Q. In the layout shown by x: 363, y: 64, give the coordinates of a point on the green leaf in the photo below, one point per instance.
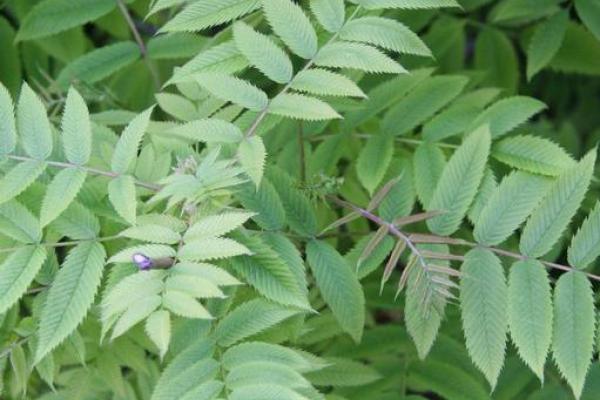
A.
x: 530, y: 313
x: 508, y: 113
x: 189, y: 369
x: 77, y: 222
x: 152, y: 233
x: 17, y: 272
x: 545, y: 42
x: 495, y: 54
x: 452, y: 121
x: 269, y: 273
x: 345, y: 373
x: 253, y: 352
x: 180, y: 45
x: 122, y: 195
x: 401, y: 198
x: 356, y: 56
x: 579, y: 51
x: 33, y: 124
x: 574, y: 327
x: 76, y: 129
x: 183, y: 305
x: 459, y: 182
x: 262, y: 53
x: 323, y: 82
x: 60, y: 193
x: 208, y: 130
x: 385, y: 33
x: 589, y: 12
x: 233, y: 89
x: 211, y: 249
x: 406, y: 4
x: 533, y: 154
x: 249, y: 319
x: 511, y: 203
x: 339, y: 287
x: 265, y: 202
x: 216, y: 225
x: 19, y: 178
x: 428, y: 164
x: 330, y: 13
x: 549, y: 220
x: 483, y: 299
x: 265, y: 391
x: 293, y: 26
x: 20, y: 368
x: 208, y: 13
x: 252, y: 156
x: 177, y: 106
x: 98, y: 64
x: 298, y: 209
x: 17, y: 222
x: 8, y: 129
x: 486, y: 189
x: 49, y: 17
x: 422, y: 103
x: 298, y: 106
x: 127, y: 147
x: 585, y: 245
x: 373, y: 160
x: 70, y: 296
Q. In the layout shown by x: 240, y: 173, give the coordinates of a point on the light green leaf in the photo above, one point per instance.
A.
x: 208, y: 13
x: 422, y: 103
x: 127, y: 147
x: 428, y: 164
x: 211, y: 249
x: 545, y: 42
x: 8, y: 129
x: 486, y: 189
x: 344, y: 373
x: 152, y: 233
x: 262, y: 53
x: 194, y: 286
x: 253, y: 352
x: 70, y: 296
x: 585, y: 245
x: 98, y: 64
x: 19, y: 178
x: 121, y: 193
x: 386, y: 33
x: 76, y: 129
x: 77, y: 222
x: 135, y: 313
x: 574, y: 327
x: 17, y: 222
x: 293, y: 105
x: 184, y: 305
x: 406, y: 4
x: 589, y: 12
x: 150, y: 250
x: 60, y: 193
x: 549, y: 220
x: 483, y: 299
x: 177, y: 106
x: 208, y: 130
x: 530, y: 313
x: 356, y: 56
x: 495, y: 54
x: 265, y: 391
x: 49, y: 17
x: 293, y: 26
x: 373, y: 160
x: 249, y: 319
x: 17, y: 272
x: 179, y: 45
x: 533, y: 154
x: 252, y: 156
x: 214, y: 274
x: 508, y: 113
x: 233, y: 89
x: 330, y: 13
x: 323, y: 82
x: 216, y: 225
x: 339, y: 287
x: 459, y: 182
x: 33, y: 124
x: 158, y: 328
x: 510, y: 204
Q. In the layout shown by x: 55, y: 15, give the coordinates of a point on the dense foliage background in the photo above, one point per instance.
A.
x: 320, y: 199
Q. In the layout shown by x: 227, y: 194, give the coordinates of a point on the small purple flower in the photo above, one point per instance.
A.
x: 143, y: 262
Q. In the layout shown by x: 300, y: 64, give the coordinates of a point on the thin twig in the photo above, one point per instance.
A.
x: 408, y: 239
x: 140, y: 43
x: 61, y: 164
